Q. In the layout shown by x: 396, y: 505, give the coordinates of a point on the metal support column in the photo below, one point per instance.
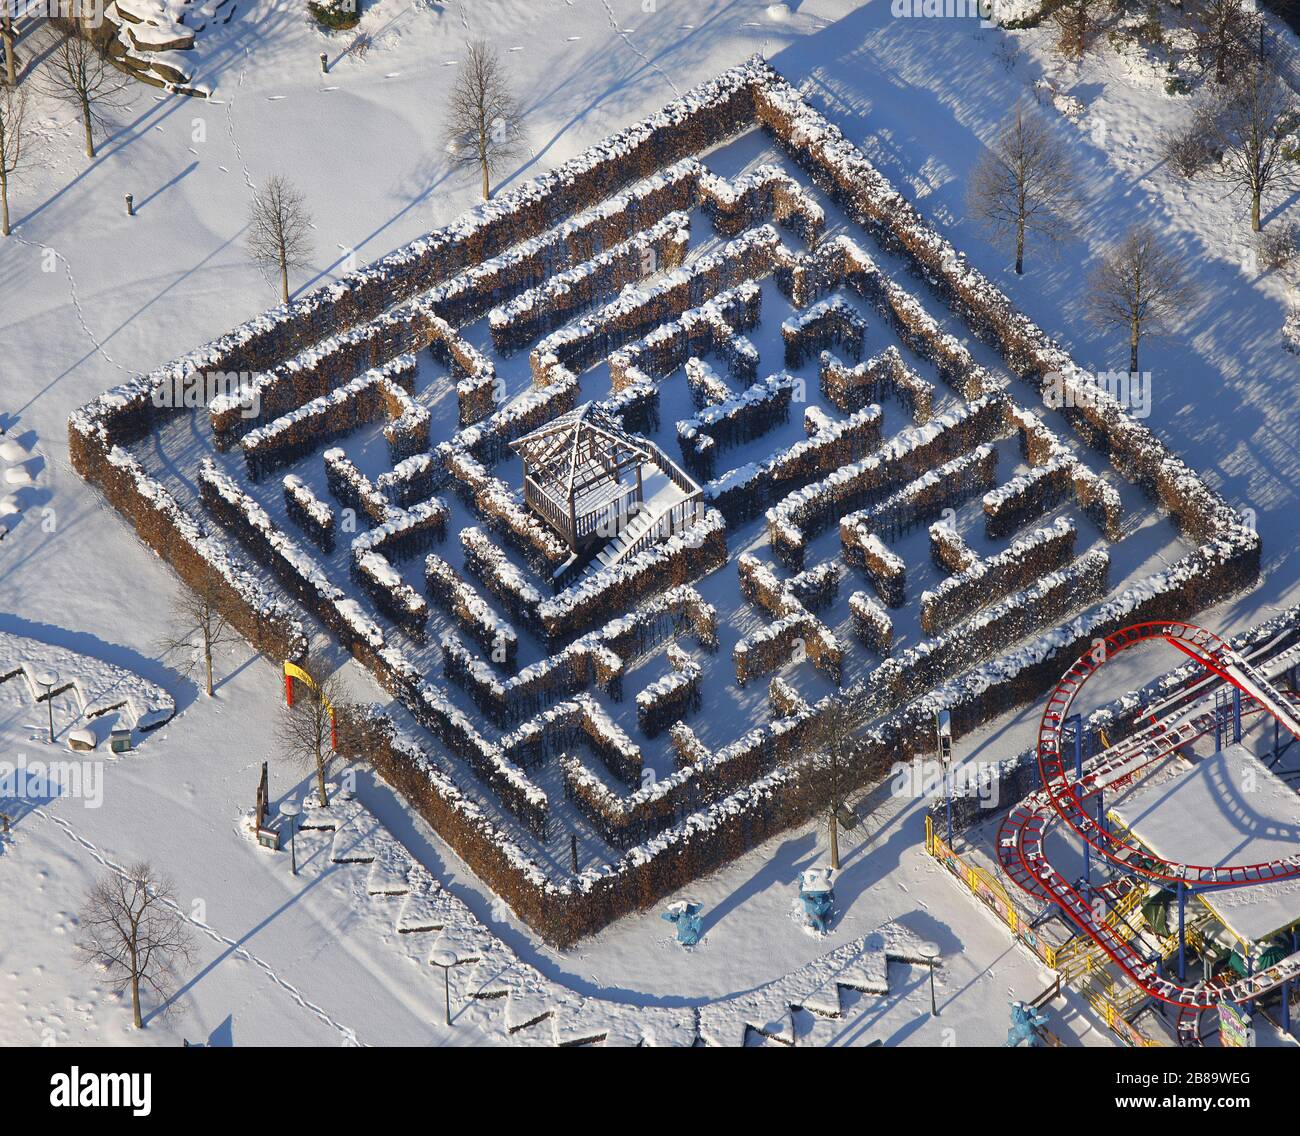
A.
x: 1182, y: 931
x: 1075, y: 723
x: 1286, y: 987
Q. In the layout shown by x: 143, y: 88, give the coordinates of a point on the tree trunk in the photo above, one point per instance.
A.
x: 284, y: 280
x: 1254, y: 211
x: 1135, y: 333
x: 86, y: 122
x: 4, y: 204
x: 835, y: 839
x: 8, y: 34
x: 207, y: 658
x: 320, y: 780
x: 487, y: 186
x: 135, y: 987
x: 1020, y: 247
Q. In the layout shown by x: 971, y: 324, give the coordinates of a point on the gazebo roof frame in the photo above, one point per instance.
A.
x: 563, y: 450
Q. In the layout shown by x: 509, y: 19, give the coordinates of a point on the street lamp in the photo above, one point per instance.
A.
x: 290, y: 810
x: 943, y: 746
x: 49, y: 680
x: 445, y: 959
x: 930, y: 953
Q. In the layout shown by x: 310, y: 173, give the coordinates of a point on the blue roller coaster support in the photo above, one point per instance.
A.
x: 1074, y: 723
x: 1226, y: 712
x: 688, y: 919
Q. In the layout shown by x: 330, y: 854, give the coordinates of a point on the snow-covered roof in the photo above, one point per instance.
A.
x: 1229, y: 808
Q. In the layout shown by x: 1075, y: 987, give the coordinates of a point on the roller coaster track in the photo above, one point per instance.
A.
x: 1065, y: 797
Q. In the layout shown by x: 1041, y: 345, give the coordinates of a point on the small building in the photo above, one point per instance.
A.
x: 594, y: 483
x: 119, y: 741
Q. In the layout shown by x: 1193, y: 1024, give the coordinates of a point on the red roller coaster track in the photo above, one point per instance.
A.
x: 1065, y: 796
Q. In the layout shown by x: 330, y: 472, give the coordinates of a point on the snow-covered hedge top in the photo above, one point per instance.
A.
x: 676, y: 226
x: 304, y: 565
x: 562, y: 343
x: 306, y: 499
x: 402, y: 264
x: 1060, y: 529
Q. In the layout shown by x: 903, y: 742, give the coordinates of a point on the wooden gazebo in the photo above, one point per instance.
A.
x: 582, y: 475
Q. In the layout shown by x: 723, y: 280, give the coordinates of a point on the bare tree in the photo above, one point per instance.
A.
x: 1251, y: 122
x: 823, y: 767
x: 132, y: 927
x: 303, y: 731
x: 1138, y: 287
x: 483, y: 117
x: 1076, y: 22
x: 78, y: 74
x: 13, y: 115
x: 1225, y: 32
x: 1024, y: 182
x: 279, y: 229
x: 199, y: 627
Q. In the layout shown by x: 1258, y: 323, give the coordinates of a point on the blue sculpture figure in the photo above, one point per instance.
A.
x: 818, y: 897
x: 688, y: 919
x: 1025, y: 1024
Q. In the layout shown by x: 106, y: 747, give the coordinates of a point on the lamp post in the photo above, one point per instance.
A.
x: 943, y: 746
x: 445, y: 959
x: 48, y: 680
x: 930, y: 953
x: 290, y: 810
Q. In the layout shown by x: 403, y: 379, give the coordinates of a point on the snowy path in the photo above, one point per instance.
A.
x: 349, y: 1036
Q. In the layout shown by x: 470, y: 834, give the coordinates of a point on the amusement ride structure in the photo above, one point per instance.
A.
x: 1213, y: 701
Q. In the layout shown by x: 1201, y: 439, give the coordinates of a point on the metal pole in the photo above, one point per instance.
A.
x: 947, y: 783
x: 293, y: 848
x: 49, y: 705
x: 1236, y: 714
x: 934, y: 1008
x: 1286, y: 988
x: 1182, y: 932
x: 942, y: 735
x: 1077, y: 721
x: 446, y: 995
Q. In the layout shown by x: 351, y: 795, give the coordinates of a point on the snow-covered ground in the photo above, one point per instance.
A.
x: 91, y: 295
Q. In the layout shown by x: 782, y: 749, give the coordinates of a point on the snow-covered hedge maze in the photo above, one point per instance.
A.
x: 874, y: 511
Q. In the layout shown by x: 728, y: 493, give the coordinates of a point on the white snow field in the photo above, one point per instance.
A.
x: 92, y: 297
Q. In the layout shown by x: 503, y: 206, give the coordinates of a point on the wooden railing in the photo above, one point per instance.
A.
x: 673, y: 519
x: 537, y: 500
x: 613, y: 518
